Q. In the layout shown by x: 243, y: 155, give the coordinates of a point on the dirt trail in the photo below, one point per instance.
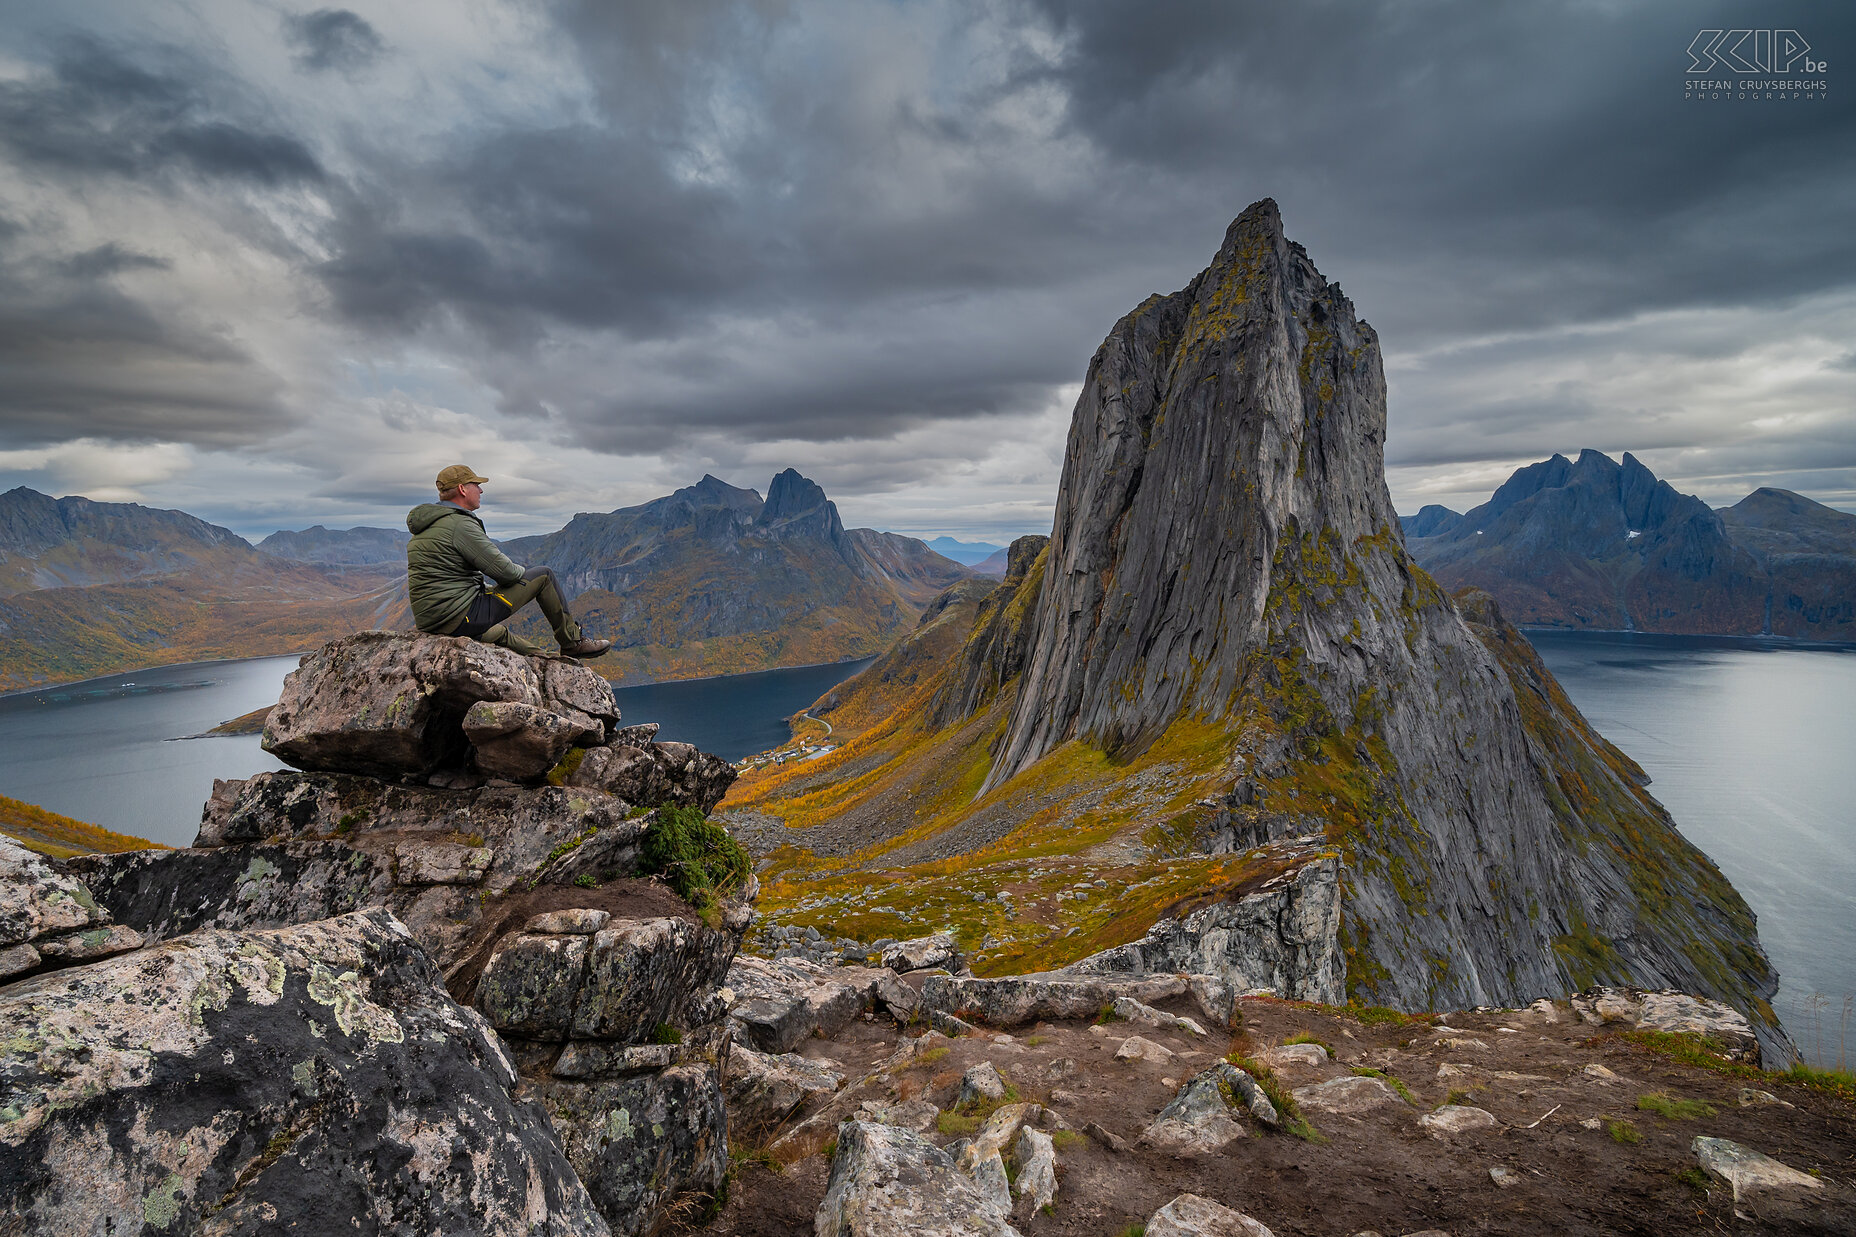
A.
x: 1377, y: 1170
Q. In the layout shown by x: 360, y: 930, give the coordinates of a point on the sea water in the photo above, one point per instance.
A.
x: 114, y: 751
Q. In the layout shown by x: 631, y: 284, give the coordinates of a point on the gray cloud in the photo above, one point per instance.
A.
x: 100, y: 112
x: 332, y: 39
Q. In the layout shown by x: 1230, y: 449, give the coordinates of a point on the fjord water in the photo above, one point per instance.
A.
x: 108, y: 750
x: 1752, y: 748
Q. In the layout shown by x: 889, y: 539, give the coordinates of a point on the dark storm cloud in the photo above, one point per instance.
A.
x: 332, y: 39
x: 1484, y: 166
x: 82, y: 358
x: 98, y: 111
x: 110, y: 259
x: 1461, y: 168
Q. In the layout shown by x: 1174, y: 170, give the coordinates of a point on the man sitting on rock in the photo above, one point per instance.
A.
x: 449, y: 555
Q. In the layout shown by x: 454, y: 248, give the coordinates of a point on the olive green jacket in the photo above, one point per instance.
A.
x: 446, y: 560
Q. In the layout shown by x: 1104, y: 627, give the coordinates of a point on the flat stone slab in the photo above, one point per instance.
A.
x: 1190, y: 1215
x: 1454, y: 1119
x: 1744, y: 1169
x: 1294, y: 1056
x: 1347, y: 1096
x: 1018, y: 999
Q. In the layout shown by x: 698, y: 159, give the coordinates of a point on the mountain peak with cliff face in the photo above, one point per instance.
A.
x: 1226, y: 694
x: 1603, y: 544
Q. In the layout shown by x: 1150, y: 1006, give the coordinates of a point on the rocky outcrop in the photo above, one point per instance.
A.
x: 891, y: 1182
x: 422, y: 834
x: 285, y: 847
x: 1284, y: 935
x: 615, y: 1023
x: 1014, y: 1000
x: 223, y: 1081
x: 996, y: 652
x: 1225, y: 558
x: 50, y: 919
x: 387, y: 704
x: 604, y: 986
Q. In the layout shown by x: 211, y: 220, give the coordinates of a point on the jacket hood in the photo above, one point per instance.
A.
x: 425, y: 515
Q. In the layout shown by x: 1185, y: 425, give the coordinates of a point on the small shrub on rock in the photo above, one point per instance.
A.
x: 695, y: 855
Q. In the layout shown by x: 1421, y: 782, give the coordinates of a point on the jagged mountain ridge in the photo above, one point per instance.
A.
x: 1602, y: 545
x: 713, y: 579
x: 1225, y: 647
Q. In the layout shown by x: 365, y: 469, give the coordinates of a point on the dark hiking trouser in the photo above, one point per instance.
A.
x: 484, y: 620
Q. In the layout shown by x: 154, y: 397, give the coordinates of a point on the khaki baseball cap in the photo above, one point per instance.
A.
x: 459, y: 474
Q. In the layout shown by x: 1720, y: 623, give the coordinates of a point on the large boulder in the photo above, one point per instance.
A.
x: 656, y: 773
x: 891, y: 1182
x: 316, y: 1077
x: 622, y: 983
x: 394, y: 703
x: 48, y: 917
x: 780, y: 1004
x: 1202, y: 1118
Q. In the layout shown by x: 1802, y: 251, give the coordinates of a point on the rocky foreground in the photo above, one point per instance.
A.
x: 1581, y: 1116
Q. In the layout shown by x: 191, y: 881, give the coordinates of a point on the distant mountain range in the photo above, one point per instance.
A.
x: 967, y: 552
x: 87, y: 588
x: 1595, y: 544
x: 347, y: 546
x: 709, y: 580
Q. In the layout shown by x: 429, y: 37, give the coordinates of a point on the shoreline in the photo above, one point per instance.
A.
x: 165, y: 665
x: 223, y: 661
x: 1766, y: 643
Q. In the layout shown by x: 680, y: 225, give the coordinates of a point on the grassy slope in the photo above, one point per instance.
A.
x: 60, y: 836
x: 1075, y: 817
x: 1079, y: 816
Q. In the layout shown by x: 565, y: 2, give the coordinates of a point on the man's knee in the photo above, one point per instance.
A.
x: 537, y: 573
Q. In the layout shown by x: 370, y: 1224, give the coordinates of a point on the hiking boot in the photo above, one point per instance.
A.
x: 585, y: 648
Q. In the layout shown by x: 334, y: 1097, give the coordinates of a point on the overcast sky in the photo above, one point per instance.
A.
x: 275, y: 264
